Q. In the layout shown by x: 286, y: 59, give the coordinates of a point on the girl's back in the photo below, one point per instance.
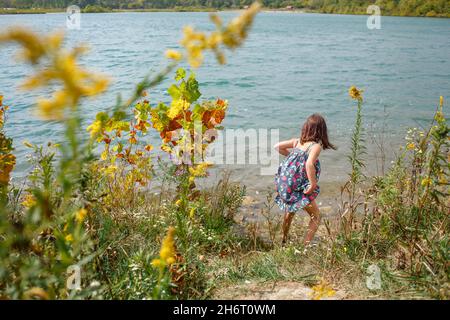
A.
x: 292, y: 180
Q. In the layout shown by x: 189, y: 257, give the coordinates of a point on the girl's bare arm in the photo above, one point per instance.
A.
x: 310, y: 167
x: 284, y: 146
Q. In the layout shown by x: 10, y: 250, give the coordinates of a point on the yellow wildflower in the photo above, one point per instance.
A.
x: 157, y: 263
x: 148, y: 147
x: 237, y: 30
x: 7, y: 163
x: 426, y: 182
x: 355, y: 93
x: 62, y: 68
x: 167, y: 252
x: 104, y: 155
x: 216, y: 20
x: 441, y: 102
x: 214, y: 40
x: 230, y: 36
x: 443, y: 178
x: 200, y: 169
x: 192, y: 213
x: 110, y: 170
x: 166, y: 148
x: 29, y: 201
x: 81, y: 215
x: 410, y: 146
x: 322, y: 290
x: 178, y: 202
x: 168, y: 246
x: 32, y: 48
x: 95, y: 128
x: 174, y: 55
x: 69, y: 238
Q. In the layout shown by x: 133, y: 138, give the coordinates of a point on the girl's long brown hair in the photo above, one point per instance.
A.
x: 315, y: 129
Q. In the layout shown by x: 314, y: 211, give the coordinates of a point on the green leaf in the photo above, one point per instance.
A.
x: 101, y: 116
x: 197, y: 112
x: 174, y: 92
x: 119, y: 115
x: 192, y: 92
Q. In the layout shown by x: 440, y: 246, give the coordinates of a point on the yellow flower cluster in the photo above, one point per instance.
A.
x: 167, y: 252
x: 200, y: 169
x: 322, y: 290
x: 355, y: 93
x: 29, y: 201
x: 236, y: 32
x: 410, y: 146
x: 426, y: 182
x: 192, y: 213
x: 69, y: 238
x: 174, y: 55
x: 61, y: 67
x: 231, y: 36
x: 80, y: 215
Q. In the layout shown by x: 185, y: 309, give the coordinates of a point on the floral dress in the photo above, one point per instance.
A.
x: 291, y: 180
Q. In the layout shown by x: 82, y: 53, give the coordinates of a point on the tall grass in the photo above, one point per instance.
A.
x: 403, y: 222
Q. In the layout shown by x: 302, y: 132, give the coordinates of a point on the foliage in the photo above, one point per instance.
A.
x: 7, y: 159
x: 404, y: 216
x: 71, y: 196
x: 430, y: 8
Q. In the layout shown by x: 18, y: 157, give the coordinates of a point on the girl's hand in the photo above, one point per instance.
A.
x: 284, y: 146
x: 310, y: 188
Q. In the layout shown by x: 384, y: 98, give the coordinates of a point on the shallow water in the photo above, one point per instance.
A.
x: 292, y: 65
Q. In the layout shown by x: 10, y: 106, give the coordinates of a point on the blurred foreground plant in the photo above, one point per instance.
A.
x: 7, y: 159
x: 55, y: 227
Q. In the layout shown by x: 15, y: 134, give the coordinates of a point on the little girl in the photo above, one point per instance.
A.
x: 298, y: 174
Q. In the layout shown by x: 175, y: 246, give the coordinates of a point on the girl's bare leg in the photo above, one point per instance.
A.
x: 314, y: 213
x: 288, y: 216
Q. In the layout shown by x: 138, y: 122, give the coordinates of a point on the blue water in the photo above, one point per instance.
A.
x: 292, y: 65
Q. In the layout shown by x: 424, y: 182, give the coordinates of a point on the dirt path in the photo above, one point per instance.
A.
x: 284, y: 290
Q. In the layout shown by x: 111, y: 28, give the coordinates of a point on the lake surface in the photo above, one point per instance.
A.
x: 292, y: 65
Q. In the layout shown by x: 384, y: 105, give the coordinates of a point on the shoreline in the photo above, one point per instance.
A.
x: 4, y: 11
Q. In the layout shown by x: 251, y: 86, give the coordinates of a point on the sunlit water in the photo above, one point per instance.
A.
x: 292, y: 65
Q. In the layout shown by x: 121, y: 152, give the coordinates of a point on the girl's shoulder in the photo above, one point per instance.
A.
x: 317, y: 145
x: 307, y: 146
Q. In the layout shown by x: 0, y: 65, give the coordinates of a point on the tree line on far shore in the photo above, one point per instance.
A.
x: 431, y: 8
